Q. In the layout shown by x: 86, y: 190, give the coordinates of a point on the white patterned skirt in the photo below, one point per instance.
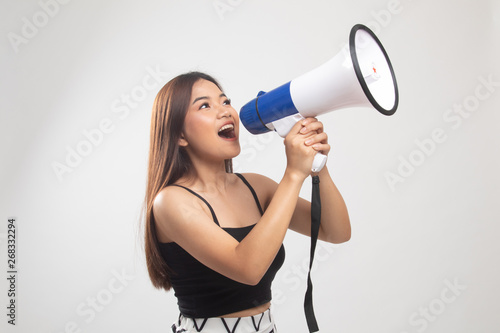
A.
x: 261, y: 323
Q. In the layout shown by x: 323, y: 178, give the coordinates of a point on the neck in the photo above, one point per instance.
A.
x: 207, y: 176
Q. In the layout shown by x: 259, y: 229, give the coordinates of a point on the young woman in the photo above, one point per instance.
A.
x: 215, y: 236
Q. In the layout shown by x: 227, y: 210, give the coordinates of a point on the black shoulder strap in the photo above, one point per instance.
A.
x: 214, y: 217
x: 251, y: 190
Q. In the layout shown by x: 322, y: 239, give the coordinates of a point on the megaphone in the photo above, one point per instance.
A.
x: 360, y: 75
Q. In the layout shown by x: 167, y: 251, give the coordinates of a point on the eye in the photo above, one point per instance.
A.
x: 227, y: 102
x: 204, y: 106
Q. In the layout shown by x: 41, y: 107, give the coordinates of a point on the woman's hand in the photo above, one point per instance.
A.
x: 304, y: 140
x: 316, y: 137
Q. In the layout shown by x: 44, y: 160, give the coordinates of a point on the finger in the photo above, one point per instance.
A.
x: 316, y: 126
x: 308, y: 120
x: 296, y: 127
x: 318, y: 138
x: 324, y: 148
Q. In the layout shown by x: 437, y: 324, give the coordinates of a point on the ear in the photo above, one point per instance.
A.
x: 182, y: 141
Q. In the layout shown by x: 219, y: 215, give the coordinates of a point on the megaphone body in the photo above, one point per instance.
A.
x: 361, y: 75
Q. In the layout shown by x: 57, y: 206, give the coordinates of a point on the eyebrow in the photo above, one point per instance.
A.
x: 205, y: 97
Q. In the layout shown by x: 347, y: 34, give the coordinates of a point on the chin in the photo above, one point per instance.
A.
x: 233, y: 152
x: 237, y: 151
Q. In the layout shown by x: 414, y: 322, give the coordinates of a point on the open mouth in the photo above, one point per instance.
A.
x: 227, y: 132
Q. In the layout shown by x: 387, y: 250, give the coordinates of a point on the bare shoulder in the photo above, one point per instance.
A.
x: 174, y: 208
x: 167, y: 198
x: 264, y: 186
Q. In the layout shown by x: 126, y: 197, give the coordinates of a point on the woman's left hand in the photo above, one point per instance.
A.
x: 316, y: 137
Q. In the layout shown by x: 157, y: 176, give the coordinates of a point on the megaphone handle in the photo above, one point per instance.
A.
x: 319, y: 162
x: 284, y: 125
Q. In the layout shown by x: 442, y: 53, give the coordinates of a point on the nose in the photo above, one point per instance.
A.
x: 223, y: 112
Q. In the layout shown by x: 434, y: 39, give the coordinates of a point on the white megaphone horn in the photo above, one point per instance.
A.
x: 361, y: 75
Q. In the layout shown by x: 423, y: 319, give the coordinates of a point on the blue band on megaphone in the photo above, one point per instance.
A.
x: 266, y: 108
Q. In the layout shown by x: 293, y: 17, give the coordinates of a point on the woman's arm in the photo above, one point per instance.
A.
x: 335, y: 225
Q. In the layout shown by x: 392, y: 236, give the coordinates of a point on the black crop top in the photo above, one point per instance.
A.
x: 202, y: 292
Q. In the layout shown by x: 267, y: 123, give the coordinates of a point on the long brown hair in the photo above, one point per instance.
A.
x: 167, y: 161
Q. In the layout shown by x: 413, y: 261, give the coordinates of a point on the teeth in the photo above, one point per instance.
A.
x: 225, y: 127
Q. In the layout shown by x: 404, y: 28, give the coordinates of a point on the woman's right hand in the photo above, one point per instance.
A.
x: 299, y: 155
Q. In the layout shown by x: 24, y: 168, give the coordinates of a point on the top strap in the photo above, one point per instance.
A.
x: 251, y: 190
x: 214, y: 217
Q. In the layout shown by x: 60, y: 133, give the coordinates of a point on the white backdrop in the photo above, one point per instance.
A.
x: 422, y: 186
